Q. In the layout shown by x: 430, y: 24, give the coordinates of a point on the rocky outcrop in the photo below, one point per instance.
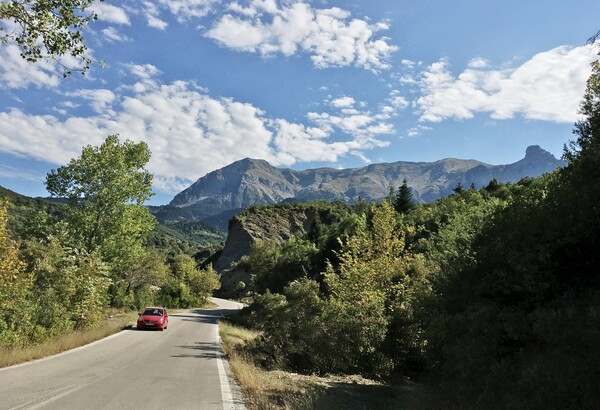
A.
x: 278, y: 223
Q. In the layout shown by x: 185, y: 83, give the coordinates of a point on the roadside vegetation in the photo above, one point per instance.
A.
x: 113, y: 323
x: 64, y: 265
x: 488, y: 298
x: 277, y: 389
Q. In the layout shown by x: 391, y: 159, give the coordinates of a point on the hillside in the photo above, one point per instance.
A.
x: 168, y: 232
x: 250, y: 181
x: 22, y: 206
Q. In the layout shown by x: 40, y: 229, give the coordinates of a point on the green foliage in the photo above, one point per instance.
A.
x: 297, y: 329
x: 30, y: 216
x: 195, y: 234
x: 48, y: 29
x: 273, y: 266
x: 517, y: 327
x: 404, y: 199
x: 203, y: 282
x: 188, y: 286
x: 106, y: 188
x: 79, y: 258
x: 458, y: 189
x: 445, y: 230
x: 354, y: 324
x: 15, y: 285
x: 374, y: 290
x: 70, y: 288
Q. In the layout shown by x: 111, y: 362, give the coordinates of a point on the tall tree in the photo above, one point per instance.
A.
x: 404, y: 199
x: 106, y: 188
x: 48, y: 29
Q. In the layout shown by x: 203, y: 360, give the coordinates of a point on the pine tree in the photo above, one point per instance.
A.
x: 404, y: 199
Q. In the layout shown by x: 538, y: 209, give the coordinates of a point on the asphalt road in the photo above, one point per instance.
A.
x: 179, y: 368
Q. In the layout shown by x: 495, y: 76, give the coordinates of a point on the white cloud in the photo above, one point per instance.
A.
x: 418, y: 130
x: 110, y: 14
x: 186, y: 9
x: 16, y: 72
x: 343, y: 102
x: 399, y: 102
x: 548, y: 87
x: 329, y: 36
x: 478, y: 63
x: 152, y: 14
x: 189, y: 132
x: 156, y: 22
x: 112, y: 34
x: 362, y: 123
x: 100, y: 99
x: 143, y: 71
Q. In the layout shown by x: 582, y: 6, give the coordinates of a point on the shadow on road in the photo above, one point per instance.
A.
x: 200, y: 318
x: 216, y: 312
x: 201, y: 350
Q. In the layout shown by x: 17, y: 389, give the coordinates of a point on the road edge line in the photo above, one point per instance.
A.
x: 226, y: 394
x: 41, y: 359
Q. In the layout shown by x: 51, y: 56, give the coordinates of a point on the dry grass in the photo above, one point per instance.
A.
x: 262, y: 389
x: 282, y: 390
x: 114, y: 322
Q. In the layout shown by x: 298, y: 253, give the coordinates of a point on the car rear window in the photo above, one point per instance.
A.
x: 153, y: 312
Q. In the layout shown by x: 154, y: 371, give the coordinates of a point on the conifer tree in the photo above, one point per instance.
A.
x: 404, y: 199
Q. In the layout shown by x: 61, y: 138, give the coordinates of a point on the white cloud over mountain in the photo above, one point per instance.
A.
x: 547, y: 87
x: 189, y: 132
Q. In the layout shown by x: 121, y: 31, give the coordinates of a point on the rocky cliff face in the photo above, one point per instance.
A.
x: 251, y: 181
x: 276, y: 224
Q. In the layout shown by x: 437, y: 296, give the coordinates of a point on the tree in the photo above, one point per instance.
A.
x: 106, y: 188
x: 404, y: 199
x: 15, y: 283
x: 517, y: 326
x: 458, y: 189
x: 188, y: 286
x: 391, y: 196
x: 47, y: 29
x: 371, y: 282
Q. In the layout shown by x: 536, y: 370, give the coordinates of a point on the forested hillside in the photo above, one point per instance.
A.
x: 62, y: 265
x: 489, y: 297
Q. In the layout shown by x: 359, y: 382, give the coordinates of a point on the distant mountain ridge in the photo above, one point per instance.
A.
x: 254, y: 181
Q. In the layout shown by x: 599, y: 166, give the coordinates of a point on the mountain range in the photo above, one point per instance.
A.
x: 243, y: 183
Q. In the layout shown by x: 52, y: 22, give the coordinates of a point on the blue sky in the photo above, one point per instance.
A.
x: 302, y: 84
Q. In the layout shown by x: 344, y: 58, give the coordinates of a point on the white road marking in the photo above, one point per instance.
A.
x: 228, y: 402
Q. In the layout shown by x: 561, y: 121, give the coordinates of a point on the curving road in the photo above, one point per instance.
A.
x: 180, y: 368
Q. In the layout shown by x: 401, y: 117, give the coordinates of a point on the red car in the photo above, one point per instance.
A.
x: 153, y: 318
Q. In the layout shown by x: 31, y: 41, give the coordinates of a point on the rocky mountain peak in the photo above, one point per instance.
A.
x: 537, y: 152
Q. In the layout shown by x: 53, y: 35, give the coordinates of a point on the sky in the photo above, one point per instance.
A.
x: 302, y: 84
